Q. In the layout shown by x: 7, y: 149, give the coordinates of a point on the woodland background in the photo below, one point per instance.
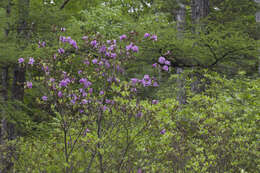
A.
x: 203, y: 116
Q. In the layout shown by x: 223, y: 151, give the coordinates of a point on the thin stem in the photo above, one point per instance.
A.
x: 66, y: 149
x: 99, y: 145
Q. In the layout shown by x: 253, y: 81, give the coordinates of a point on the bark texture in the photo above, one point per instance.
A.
x: 200, y: 9
x: 181, y: 15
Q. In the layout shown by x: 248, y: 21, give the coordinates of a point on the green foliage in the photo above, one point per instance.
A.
x: 214, y: 132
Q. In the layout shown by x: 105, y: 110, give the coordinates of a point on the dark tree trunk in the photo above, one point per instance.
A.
x: 18, y: 83
x: 5, y: 82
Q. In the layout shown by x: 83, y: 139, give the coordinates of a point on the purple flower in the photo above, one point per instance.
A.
x: 31, y: 61
x: 83, y: 80
x: 100, y: 63
x: 80, y: 71
x: 81, y: 90
x: 73, y: 43
x: 61, y: 50
x: 63, y: 29
x: 104, y: 108
x: 54, y: 56
x: 43, y: 44
x: 134, y: 81
x: 155, y: 65
x: 102, y: 49
x: 84, y: 37
x: 86, y: 131
x: 73, y: 102
x: 161, y: 60
x: 52, y: 79
x: 154, y: 37
x: 84, y: 101
x: 59, y: 94
x: 101, y: 93
x: 20, y: 60
x: 90, y: 90
x: 128, y: 47
x: 163, y: 131
x: 133, y: 89
x: 64, y: 82
x: 135, y: 48
x: 146, y: 81
x: 86, y: 62
x: 146, y: 35
x: 112, y: 47
x: 94, y: 61
x: 113, y: 55
x: 44, y: 98
x: 167, y: 62
x: 146, y: 77
x: 93, y: 43
x: 122, y: 37
x: 63, y: 39
x: 114, y: 41
x: 29, y: 84
x: 108, y: 41
x: 39, y: 44
x: 107, y: 64
x: 108, y: 101
x: 139, y: 170
x: 139, y: 114
x: 165, y: 68
x: 154, y: 102
x: 155, y: 84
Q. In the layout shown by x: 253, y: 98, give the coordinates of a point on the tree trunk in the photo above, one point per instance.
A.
x: 199, y: 10
x: 181, y: 15
x: 5, y: 82
x: 18, y: 83
x: 5, y: 164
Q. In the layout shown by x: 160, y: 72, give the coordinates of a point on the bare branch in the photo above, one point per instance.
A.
x: 64, y: 4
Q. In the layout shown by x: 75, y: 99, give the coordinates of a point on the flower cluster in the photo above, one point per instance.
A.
x: 146, y: 81
x: 132, y: 47
x: 72, y: 42
x: 30, y: 61
x: 163, y: 62
x: 41, y: 44
x: 152, y: 37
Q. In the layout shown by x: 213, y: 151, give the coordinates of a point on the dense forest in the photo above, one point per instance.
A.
x: 134, y: 86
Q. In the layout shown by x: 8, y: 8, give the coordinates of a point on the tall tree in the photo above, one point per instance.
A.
x: 180, y: 16
x: 200, y: 9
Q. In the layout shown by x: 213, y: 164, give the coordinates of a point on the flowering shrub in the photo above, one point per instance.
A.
x: 84, y: 91
x: 100, y: 125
